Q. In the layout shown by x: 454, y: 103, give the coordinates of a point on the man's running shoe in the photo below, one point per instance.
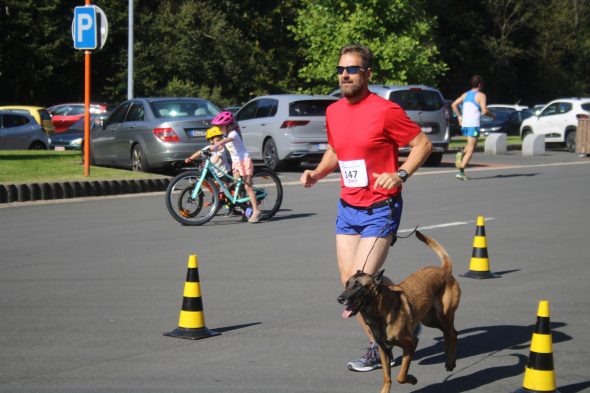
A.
x: 458, y: 159
x: 461, y: 176
x: 369, y: 361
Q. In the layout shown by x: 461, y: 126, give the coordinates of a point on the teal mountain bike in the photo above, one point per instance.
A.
x: 194, y: 197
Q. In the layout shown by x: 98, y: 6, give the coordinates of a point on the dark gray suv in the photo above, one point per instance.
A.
x: 426, y: 107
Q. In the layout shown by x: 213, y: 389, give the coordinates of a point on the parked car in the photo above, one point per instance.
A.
x: 40, y: 114
x: 426, y: 107
x: 73, y: 137
x: 64, y: 115
x: 506, y: 120
x: 21, y: 131
x: 558, y: 121
x: 283, y: 130
x: 509, y: 106
x: 152, y: 133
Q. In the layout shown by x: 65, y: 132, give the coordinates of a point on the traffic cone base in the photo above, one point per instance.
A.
x: 192, y: 334
x: 479, y: 274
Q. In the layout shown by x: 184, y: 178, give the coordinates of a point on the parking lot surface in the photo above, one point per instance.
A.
x: 88, y: 287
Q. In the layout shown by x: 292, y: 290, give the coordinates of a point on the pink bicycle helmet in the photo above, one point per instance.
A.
x: 223, y: 118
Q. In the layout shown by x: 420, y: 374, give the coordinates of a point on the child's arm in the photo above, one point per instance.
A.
x: 196, y: 155
x: 223, y: 142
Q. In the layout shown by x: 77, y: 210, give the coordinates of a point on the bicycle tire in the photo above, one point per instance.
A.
x: 186, y: 210
x: 265, y: 179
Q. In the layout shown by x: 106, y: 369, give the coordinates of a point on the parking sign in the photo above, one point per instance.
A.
x: 84, y: 28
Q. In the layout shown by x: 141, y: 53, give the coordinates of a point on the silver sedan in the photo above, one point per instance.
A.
x: 152, y: 133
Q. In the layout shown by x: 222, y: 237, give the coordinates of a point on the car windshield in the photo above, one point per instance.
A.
x: 171, y: 109
x: 309, y: 107
x: 417, y: 99
x: 502, y: 114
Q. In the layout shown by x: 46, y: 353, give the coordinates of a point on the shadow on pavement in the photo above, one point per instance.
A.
x: 224, y: 329
x: 482, y: 340
x: 501, y: 176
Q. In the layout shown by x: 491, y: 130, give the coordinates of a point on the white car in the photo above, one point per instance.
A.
x: 284, y: 129
x: 558, y: 121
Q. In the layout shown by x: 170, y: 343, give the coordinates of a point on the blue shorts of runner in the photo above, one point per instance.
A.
x: 369, y: 222
x: 470, y: 131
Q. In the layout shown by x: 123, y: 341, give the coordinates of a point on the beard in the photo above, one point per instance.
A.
x: 351, y: 88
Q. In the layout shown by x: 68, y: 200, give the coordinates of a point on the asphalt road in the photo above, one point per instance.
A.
x: 88, y: 287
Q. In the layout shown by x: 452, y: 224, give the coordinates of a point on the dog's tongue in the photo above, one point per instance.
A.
x: 346, y: 313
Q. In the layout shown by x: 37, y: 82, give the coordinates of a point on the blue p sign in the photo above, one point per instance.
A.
x: 84, y: 28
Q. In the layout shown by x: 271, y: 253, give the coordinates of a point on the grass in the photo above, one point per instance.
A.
x: 29, y: 166
x: 460, y: 141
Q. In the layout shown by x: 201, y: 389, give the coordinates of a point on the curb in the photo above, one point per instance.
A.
x: 26, y: 192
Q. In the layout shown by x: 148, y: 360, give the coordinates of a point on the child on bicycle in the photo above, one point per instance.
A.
x: 241, y: 161
x: 218, y: 154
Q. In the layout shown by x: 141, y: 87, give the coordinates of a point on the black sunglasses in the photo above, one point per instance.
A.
x: 352, y: 70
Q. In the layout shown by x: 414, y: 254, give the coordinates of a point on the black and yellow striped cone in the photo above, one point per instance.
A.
x: 539, y: 375
x: 191, y: 324
x: 479, y: 267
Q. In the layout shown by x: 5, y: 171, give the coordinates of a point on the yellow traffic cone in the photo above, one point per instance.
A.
x: 479, y: 267
x: 539, y: 375
x: 191, y: 324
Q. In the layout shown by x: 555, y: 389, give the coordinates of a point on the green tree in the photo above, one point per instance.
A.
x: 398, y: 32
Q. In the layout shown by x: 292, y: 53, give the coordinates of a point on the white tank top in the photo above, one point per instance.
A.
x: 471, y: 110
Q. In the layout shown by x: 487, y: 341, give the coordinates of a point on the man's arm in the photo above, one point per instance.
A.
x: 455, y: 107
x: 481, y: 99
x: 421, y: 149
x: 326, y: 166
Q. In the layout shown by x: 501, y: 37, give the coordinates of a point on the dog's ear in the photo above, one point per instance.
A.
x: 378, y: 277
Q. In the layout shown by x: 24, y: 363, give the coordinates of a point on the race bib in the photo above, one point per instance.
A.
x: 354, y: 173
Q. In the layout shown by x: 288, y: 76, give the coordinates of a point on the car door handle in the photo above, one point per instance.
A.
x: 262, y: 124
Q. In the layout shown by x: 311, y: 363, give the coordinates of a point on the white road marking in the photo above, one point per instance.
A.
x: 444, y: 225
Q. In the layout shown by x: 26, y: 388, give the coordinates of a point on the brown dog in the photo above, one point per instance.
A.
x: 429, y: 296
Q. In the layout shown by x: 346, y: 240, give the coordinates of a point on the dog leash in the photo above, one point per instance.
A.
x: 393, y: 240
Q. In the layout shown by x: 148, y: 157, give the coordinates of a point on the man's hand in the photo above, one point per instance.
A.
x: 308, y: 178
x: 386, y: 180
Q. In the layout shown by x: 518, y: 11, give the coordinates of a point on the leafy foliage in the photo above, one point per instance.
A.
x: 229, y: 51
x: 398, y: 32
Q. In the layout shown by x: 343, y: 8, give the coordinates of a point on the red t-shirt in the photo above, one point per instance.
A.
x: 371, y: 130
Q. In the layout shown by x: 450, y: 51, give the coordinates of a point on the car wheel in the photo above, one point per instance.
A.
x: 37, y: 146
x: 270, y: 155
x: 570, y: 141
x: 138, y: 159
x: 434, y: 159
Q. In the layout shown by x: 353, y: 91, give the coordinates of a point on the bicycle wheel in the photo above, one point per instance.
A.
x: 269, y: 192
x: 186, y: 210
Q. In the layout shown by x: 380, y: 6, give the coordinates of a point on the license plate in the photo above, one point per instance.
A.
x: 60, y: 148
x: 196, y: 133
x: 426, y: 130
x: 319, y: 147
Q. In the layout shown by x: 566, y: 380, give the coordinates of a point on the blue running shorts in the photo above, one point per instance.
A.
x: 470, y: 131
x: 379, y: 222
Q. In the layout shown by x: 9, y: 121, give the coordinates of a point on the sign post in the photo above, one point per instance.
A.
x: 89, y: 31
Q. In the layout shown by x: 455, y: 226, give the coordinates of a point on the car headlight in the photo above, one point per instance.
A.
x: 76, y: 142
